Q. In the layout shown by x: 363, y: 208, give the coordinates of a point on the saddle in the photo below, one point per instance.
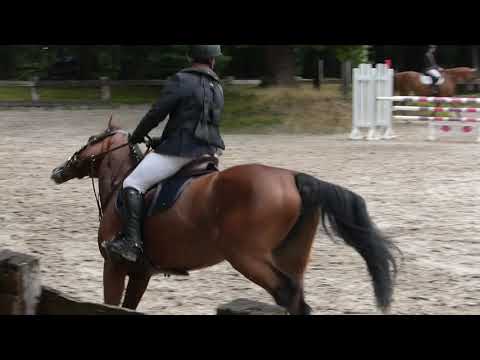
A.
x: 167, y: 192
x: 427, y: 80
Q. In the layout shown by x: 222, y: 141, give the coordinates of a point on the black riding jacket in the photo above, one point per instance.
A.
x: 193, y: 98
x: 429, y: 61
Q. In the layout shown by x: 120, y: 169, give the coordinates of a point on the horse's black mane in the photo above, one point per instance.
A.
x: 135, y: 152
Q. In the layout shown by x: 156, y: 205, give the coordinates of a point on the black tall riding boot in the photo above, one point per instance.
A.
x: 436, y: 88
x: 129, y: 244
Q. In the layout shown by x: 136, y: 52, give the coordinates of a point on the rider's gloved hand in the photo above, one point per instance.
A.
x: 135, y: 139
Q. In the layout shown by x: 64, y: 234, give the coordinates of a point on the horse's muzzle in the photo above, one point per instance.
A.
x: 58, y: 175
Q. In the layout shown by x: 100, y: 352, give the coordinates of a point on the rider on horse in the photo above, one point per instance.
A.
x: 431, y: 67
x: 193, y: 99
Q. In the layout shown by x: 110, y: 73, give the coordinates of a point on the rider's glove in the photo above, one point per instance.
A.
x: 135, y: 139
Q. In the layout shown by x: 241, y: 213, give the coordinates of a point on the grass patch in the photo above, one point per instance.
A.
x: 298, y: 110
x: 243, y: 110
x: 135, y: 95
x: 15, y: 94
x: 247, y: 108
x: 120, y: 95
x: 69, y: 94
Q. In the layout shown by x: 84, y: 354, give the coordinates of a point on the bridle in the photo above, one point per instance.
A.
x: 94, y: 159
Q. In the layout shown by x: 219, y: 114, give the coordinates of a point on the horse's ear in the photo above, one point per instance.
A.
x: 113, y: 124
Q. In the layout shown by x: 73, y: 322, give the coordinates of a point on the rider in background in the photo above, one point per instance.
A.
x: 431, y: 67
x: 193, y: 99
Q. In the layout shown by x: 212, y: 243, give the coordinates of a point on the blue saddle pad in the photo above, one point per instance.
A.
x: 165, y: 194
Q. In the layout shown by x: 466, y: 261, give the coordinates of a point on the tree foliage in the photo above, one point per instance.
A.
x: 276, y: 64
x: 356, y: 54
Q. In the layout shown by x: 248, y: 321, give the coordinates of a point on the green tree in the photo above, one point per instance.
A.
x: 357, y: 54
x: 282, y: 63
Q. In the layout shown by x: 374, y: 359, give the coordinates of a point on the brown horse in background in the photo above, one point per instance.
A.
x: 260, y: 219
x: 408, y: 83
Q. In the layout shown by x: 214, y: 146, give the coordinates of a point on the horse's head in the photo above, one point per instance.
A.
x: 85, y: 162
x: 463, y: 73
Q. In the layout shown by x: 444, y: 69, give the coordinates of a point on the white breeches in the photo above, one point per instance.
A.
x: 434, y: 73
x: 153, y: 169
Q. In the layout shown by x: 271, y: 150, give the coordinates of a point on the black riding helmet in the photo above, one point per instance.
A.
x: 205, y: 51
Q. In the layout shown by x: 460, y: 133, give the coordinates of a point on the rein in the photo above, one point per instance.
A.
x: 100, y: 211
x: 95, y: 158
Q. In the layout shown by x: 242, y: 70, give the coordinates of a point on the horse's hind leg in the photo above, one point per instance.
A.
x: 137, y: 285
x: 263, y: 272
x: 113, y: 283
x: 293, y: 255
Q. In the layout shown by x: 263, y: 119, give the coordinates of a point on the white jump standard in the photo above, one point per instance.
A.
x: 368, y: 83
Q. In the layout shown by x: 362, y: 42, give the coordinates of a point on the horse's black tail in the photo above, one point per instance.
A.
x: 348, y: 216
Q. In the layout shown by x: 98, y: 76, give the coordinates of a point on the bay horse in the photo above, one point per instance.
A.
x: 407, y: 83
x: 260, y: 219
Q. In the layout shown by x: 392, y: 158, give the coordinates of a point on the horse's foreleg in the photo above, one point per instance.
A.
x: 137, y: 285
x: 113, y: 283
